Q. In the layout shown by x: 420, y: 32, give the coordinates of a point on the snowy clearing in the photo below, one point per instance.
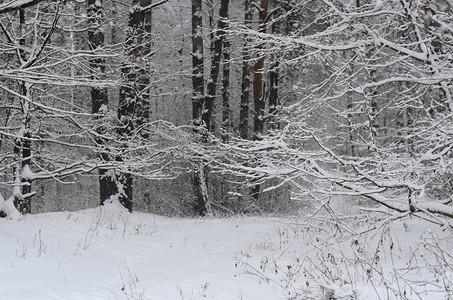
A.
x: 110, y: 254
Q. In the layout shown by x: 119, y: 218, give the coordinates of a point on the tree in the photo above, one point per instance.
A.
x: 246, y: 76
x: 308, y: 151
x: 99, y: 98
x: 197, y: 63
x: 226, y: 109
x: 215, y: 63
x: 133, y: 93
x: 40, y: 124
x: 25, y: 57
x: 274, y: 82
x: 50, y: 131
x: 259, y: 97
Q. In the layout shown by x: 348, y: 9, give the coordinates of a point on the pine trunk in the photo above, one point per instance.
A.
x: 273, y: 85
x: 198, y: 105
x: 197, y: 64
x: 215, y: 63
x: 259, y: 98
x: 226, y: 119
x: 246, y: 77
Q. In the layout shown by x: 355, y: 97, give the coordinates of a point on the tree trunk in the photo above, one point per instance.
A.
x: 246, y: 77
x: 226, y: 119
x: 133, y: 102
x: 143, y: 107
x: 197, y: 64
x: 215, y: 63
x: 273, y: 95
x: 203, y: 202
x: 22, y: 144
x: 273, y: 85
x: 22, y: 152
x: 259, y: 97
x: 201, y: 120
x: 99, y: 99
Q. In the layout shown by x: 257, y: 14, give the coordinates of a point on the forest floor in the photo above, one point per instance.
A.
x: 106, y: 253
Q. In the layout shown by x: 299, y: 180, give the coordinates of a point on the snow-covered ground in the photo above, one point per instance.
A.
x: 110, y: 254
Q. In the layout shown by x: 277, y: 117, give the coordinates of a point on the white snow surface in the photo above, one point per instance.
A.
x: 107, y: 253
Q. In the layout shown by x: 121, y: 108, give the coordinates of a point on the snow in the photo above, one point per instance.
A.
x: 93, y: 254
x: 27, y: 173
x: 15, y: 4
x: 436, y: 207
x: 8, y: 208
x: 107, y: 253
x: 103, y: 109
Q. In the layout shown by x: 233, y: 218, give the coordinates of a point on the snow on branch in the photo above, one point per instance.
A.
x: 17, y: 4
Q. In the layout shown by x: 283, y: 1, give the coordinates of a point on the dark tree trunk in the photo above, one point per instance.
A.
x: 125, y: 113
x: 99, y: 99
x: 273, y: 85
x: 273, y: 95
x: 259, y: 97
x: 202, y: 202
x: 246, y: 77
x: 134, y: 103
x: 22, y: 151
x: 226, y: 121
x: 22, y: 143
x: 197, y: 64
x: 134, y: 95
x: 350, y: 123
x: 201, y: 178
x: 215, y: 63
x: 204, y: 107
x: 143, y: 82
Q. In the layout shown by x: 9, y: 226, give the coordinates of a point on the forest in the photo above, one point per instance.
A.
x: 340, y: 110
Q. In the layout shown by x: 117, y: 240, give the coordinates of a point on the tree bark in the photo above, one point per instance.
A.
x: 99, y: 99
x: 226, y: 118
x: 215, y: 63
x: 197, y: 64
x: 246, y: 77
x: 133, y: 103
x: 200, y: 121
x: 143, y: 107
x: 22, y: 144
x: 259, y: 97
x: 22, y: 152
x: 273, y: 85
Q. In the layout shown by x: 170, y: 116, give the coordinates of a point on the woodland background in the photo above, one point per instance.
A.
x: 218, y: 107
